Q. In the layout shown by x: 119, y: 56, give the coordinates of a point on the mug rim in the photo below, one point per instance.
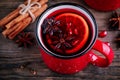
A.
x: 74, y: 55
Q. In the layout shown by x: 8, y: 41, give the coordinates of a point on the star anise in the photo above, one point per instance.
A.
x: 25, y: 39
x: 50, y: 26
x: 117, y: 41
x: 115, y: 21
x: 63, y: 42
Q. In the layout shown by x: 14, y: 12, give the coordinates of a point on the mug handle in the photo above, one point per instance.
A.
x: 103, y: 49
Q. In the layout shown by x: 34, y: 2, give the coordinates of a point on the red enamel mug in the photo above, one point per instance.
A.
x: 104, y: 5
x: 69, y: 64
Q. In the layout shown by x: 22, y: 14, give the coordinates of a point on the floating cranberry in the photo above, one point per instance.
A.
x: 49, y: 41
x: 102, y: 34
x: 76, y: 31
x: 70, y: 31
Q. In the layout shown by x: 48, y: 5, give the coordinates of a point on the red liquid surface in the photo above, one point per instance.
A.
x: 73, y: 36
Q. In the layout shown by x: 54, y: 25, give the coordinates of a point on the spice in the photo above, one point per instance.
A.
x: 34, y: 72
x: 22, y: 67
x: 117, y: 41
x: 63, y: 41
x: 26, y: 66
x: 25, y: 39
x: 115, y: 21
x: 15, y: 22
x: 50, y: 26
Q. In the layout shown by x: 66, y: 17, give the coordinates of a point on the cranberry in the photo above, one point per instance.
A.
x: 102, y: 34
x: 76, y: 31
x: 49, y: 41
x: 70, y: 31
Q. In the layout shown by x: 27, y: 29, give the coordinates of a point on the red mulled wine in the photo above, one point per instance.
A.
x: 65, y: 31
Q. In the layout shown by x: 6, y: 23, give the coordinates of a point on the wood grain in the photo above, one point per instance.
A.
x: 13, y: 57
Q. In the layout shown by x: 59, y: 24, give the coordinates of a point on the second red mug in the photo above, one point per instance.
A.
x: 104, y: 5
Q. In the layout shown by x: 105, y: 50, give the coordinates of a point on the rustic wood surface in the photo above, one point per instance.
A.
x: 12, y: 57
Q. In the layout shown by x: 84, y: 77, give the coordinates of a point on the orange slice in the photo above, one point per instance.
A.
x: 76, y: 26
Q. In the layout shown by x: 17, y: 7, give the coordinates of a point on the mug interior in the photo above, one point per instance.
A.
x: 73, y: 8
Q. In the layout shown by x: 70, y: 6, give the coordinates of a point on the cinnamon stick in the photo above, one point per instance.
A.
x: 12, y: 15
x: 26, y: 22
x: 9, y: 17
x: 21, y: 17
x: 6, y: 32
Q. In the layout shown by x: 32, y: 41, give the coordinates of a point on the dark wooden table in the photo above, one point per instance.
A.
x: 18, y: 63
